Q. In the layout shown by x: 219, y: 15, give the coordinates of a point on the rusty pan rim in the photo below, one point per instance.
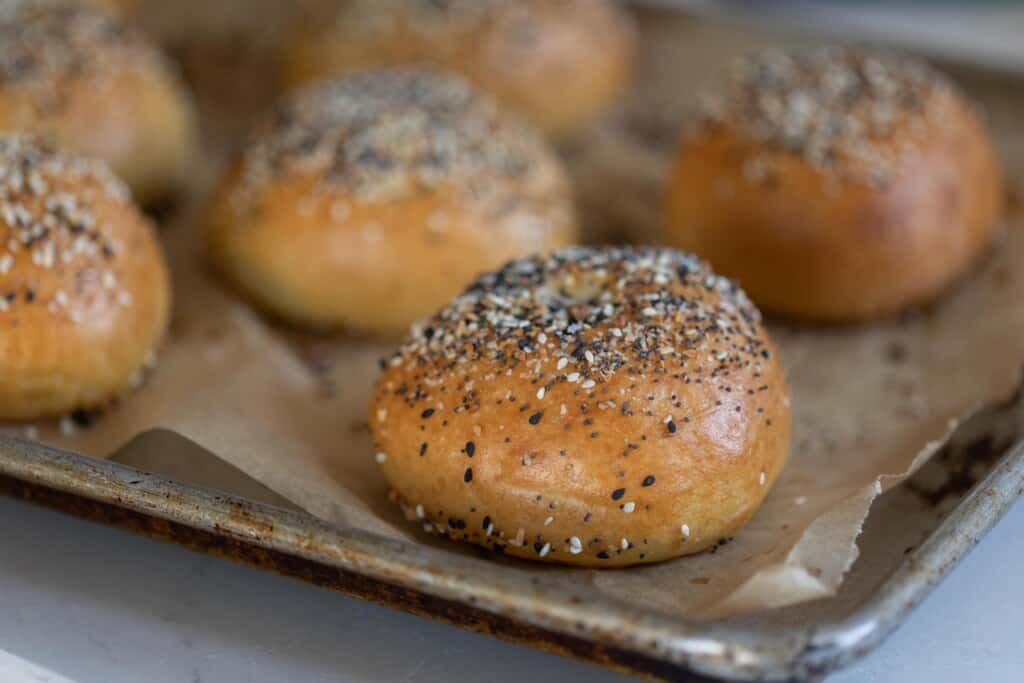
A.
x: 713, y: 649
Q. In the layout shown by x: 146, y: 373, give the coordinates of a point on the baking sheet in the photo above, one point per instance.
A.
x: 869, y: 403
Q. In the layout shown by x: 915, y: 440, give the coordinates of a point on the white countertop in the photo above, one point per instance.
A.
x: 984, y: 33
x: 86, y: 603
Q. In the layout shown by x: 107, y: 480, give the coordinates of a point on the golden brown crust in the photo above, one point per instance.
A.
x: 558, y: 62
x: 370, y: 202
x: 842, y: 204
x: 604, y: 407
x: 87, y: 81
x: 84, y: 292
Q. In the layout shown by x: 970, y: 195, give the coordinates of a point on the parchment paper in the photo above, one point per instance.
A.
x: 871, y: 403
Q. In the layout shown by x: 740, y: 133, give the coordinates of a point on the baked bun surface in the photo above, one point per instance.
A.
x: 84, y: 292
x: 88, y: 82
x: 368, y: 203
x: 558, y: 62
x: 836, y: 185
x: 602, y: 407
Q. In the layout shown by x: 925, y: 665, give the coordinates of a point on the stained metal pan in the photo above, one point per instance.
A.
x: 795, y: 644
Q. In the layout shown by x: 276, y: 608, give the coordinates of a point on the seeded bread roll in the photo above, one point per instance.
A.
x: 368, y: 203
x: 603, y: 407
x: 835, y: 185
x: 558, y: 62
x: 88, y: 82
x: 84, y: 292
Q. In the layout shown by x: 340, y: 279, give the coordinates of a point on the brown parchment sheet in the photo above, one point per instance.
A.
x: 871, y: 403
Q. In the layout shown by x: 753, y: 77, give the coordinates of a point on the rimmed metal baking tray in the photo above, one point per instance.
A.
x: 801, y: 643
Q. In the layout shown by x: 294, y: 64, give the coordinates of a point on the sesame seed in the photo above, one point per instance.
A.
x: 754, y: 171
x: 760, y: 481
x: 685, y: 530
x: 629, y: 507
x: 540, y: 393
x: 618, y: 493
x: 535, y: 418
x: 381, y: 458
x: 575, y: 545
x: 340, y: 211
x: 562, y: 362
x: 548, y: 521
x: 394, y: 131
x: 420, y: 512
x: 835, y: 107
x: 468, y: 475
x: 589, y: 384
x: 624, y: 544
x: 470, y: 448
x: 649, y: 480
x: 545, y: 550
